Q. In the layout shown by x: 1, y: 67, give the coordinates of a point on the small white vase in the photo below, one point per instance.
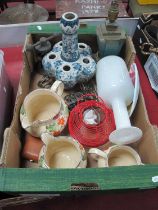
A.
x: 115, y: 87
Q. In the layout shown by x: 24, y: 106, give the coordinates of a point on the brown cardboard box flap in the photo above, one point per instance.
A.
x: 10, y: 156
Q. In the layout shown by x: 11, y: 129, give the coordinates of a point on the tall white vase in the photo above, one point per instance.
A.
x: 115, y: 87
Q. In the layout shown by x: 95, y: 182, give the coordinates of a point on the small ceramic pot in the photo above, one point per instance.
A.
x: 44, y: 110
x: 61, y: 152
x: 116, y: 156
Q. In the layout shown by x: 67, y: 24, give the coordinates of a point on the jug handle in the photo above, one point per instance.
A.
x: 58, y: 87
x: 47, y: 138
x: 101, y: 157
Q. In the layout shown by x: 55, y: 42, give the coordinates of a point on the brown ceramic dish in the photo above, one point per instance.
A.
x: 32, y: 147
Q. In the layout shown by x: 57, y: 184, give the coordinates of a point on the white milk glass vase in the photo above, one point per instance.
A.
x: 115, y: 87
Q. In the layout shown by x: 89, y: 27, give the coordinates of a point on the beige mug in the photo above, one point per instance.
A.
x: 61, y: 152
x: 116, y: 155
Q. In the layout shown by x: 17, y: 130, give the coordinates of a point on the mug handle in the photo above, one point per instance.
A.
x: 57, y: 87
x: 47, y: 138
x: 101, y: 157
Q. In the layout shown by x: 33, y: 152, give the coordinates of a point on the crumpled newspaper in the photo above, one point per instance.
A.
x: 90, y: 117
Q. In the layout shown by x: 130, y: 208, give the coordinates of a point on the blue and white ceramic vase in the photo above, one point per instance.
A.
x: 69, y: 24
x: 69, y: 61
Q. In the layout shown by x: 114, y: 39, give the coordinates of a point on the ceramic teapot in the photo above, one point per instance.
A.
x: 61, y: 152
x: 44, y: 110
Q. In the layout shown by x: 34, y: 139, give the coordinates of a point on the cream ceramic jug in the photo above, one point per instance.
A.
x: 44, y: 110
x: 117, y: 155
x: 61, y: 152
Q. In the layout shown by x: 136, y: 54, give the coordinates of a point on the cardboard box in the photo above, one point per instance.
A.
x: 23, y: 180
x: 146, y: 2
x: 137, y: 9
